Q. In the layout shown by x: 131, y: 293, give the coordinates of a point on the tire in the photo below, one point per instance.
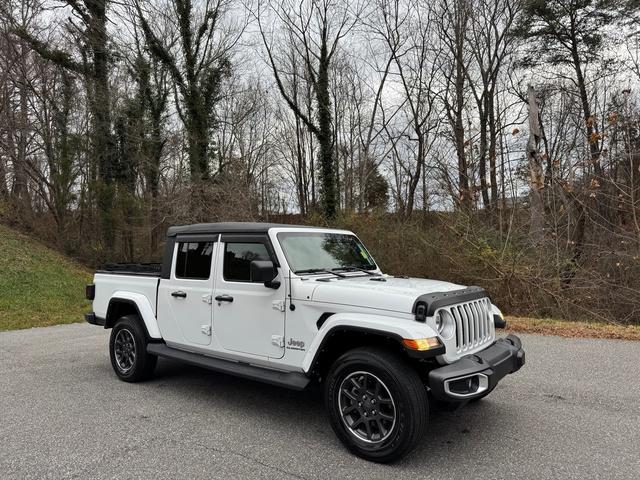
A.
x: 361, y: 373
x: 128, y: 350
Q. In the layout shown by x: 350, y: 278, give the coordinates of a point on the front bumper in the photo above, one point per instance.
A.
x: 474, y: 375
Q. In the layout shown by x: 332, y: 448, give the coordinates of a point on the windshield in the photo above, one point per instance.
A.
x: 314, y: 251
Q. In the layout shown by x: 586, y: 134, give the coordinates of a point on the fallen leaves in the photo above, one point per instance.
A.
x: 566, y: 328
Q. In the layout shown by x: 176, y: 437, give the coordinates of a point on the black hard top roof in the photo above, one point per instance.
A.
x: 227, y: 227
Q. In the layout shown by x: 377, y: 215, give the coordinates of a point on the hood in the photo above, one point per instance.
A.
x: 393, y: 294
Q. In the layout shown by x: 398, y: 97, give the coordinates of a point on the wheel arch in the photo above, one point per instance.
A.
x: 340, y: 334
x: 342, y: 338
x: 125, y: 303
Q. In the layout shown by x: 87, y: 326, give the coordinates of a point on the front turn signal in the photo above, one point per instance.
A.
x: 421, y: 344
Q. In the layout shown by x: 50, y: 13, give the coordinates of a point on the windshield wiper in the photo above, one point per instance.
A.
x: 353, y: 267
x: 319, y: 270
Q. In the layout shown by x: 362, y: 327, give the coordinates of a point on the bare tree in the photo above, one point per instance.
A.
x: 153, y: 88
x: 316, y: 28
x: 535, y: 169
x: 245, y: 141
x: 92, y: 40
x: 454, y: 64
x: 570, y: 34
x: 18, y: 135
x: 491, y: 42
x: 198, y: 57
x: 408, y: 33
x: 356, y: 97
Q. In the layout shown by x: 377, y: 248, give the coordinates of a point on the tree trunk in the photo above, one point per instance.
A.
x: 325, y: 137
x: 197, y: 141
x: 301, y: 171
x: 4, y: 192
x: 536, y: 229
x: 463, y: 178
x: 493, y: 133
x: 465, y: 196
x: 483, y: 111
x: 102, y: 137
x: 20, y: 190
x: 153, y: 177
x: 415, y: 178
x: 592, y: 137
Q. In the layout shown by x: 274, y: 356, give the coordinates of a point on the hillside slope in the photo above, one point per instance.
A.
x: 38, y: 286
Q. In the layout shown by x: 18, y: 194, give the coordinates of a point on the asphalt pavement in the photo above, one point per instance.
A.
x: 573, y: 411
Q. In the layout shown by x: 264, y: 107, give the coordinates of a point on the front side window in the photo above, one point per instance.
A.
x: 309, y: 251
x: 238, y: 258
x: 194, y: 260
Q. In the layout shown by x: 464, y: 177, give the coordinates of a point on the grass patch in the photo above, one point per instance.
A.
x: 565, y: 328
x: 39, y: 286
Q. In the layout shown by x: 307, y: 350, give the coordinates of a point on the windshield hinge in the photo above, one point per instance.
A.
x: 278, y: 305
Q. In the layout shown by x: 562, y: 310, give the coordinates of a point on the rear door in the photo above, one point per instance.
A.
x: 248, y: 317
x: 184, y: 300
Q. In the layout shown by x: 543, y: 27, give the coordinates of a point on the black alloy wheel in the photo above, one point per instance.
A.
x: 377, y: 404
x: 124, y: 349
x: 367, y: 407
x: 128, y: 350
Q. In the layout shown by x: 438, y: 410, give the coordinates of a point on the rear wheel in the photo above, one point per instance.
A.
x: 128, y: 350
x: 377, y: 404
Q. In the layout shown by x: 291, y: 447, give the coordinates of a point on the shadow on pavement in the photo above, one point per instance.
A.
x: 452, y: 434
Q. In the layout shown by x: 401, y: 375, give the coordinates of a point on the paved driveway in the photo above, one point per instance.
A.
x: 572, y: 412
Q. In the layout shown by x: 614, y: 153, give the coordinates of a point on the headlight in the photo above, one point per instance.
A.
x: 445, y: 324
x: 498, y: 318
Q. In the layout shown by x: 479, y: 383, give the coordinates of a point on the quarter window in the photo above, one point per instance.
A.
x: 194, y: 260
x: 238, y: 258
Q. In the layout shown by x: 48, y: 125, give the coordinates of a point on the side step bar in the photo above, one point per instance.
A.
x: 292, y: 380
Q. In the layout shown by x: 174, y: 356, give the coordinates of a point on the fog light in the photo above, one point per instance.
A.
x: 465, y: 385
x: 468, y: 386
x: 421, y: 343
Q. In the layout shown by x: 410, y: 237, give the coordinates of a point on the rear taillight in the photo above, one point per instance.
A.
x: 90, y: 291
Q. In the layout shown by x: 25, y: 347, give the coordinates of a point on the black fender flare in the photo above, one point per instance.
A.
x: 394, y: 338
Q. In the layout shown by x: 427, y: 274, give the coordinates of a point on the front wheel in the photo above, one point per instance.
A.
x: 377, y: 404
x: 128, y: 350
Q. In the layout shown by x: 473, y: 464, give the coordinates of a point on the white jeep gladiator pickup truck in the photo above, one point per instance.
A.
x: 292, y: 306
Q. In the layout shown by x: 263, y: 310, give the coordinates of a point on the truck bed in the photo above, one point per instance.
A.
x: 143, y: 269
x: 130, y: 279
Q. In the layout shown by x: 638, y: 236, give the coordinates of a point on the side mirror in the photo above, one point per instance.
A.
x: 263, y: 271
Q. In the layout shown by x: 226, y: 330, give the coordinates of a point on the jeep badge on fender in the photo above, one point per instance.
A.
x: 295, y: 344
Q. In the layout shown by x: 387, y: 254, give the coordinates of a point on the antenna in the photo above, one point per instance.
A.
x: 292, y: 307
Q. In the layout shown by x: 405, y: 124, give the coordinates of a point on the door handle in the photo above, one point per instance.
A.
x: 224, y: 298
x: 179, y: 293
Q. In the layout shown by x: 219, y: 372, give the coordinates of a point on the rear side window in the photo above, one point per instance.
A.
x: 194, y: 260
x: 238, y: 258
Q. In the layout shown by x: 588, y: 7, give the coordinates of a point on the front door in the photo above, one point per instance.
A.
x: 185, y: 299
x: 248, y: 317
